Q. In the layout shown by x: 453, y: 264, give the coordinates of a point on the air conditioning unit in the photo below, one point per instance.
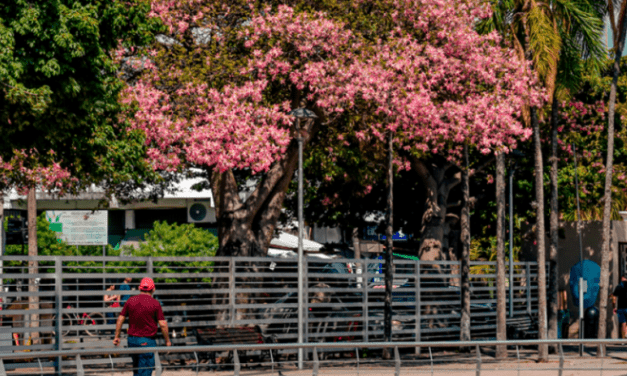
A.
x: 200, y: 212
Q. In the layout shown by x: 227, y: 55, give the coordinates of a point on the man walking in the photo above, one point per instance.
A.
x: 619, y: 298
x: 144, y: 315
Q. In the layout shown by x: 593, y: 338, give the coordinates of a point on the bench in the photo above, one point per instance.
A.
x: 233, y: 336
x: 524, y: 327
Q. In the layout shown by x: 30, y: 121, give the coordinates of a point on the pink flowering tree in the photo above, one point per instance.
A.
x: 231, y: 117
x: 437, y: 85
x: 227, y: 75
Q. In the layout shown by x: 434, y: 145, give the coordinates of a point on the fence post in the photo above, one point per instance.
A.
x: 528, y: 271
x: 518, y: 357
x: 232, y: 290
x: 397, y: 362
x: 431, y: 358
x: 149, y: 267
x: 561, y: 370
x: 478, y: 361
x: 418, y: 306
x: 80, y: 371
x: 158, y: 367
x: 236, y: 365
x: 58, y: 287
x: 316, y: 363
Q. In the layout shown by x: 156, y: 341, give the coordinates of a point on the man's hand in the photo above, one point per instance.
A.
x: 164, y: 329
x: 118, y: 329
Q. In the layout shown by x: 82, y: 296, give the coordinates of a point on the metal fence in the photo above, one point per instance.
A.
x: 342, y: 303
x: 471, y: 357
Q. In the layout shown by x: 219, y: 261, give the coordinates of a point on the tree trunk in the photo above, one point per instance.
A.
x: 554, y: 226
x: 389, y: 266
x: 543, y: 352
x: 438, y: 183
x: 501, y: 303
x: 245, y: 228
x: 33, y: 301
x: 607, y: 198
x: 465, y: 259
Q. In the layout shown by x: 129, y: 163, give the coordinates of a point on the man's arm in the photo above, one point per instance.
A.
x: 164, y: 329
x: 118, y: 329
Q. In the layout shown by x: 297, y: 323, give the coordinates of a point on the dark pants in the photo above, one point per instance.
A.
x: 143, y: 364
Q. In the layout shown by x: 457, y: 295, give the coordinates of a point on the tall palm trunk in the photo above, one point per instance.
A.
x: 607, y: 198
x: 543, y: 353
x: 501, y: 317
x: 554, y: 226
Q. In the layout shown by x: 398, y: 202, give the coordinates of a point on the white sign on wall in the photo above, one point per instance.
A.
x: 79, y: 227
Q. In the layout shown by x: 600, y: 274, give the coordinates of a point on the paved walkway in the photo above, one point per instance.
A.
x: 445, y: 364
x: 585, y: 367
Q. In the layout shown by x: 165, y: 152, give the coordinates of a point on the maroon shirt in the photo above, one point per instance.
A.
x: 144, y: 313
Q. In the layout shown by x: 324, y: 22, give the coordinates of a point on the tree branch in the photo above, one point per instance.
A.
x: 483, y: 165
x: 285, y: 166
x: 225, y: 192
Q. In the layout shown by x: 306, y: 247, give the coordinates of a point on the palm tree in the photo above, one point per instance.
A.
x: 619, y: 29
x: 581, y: 30
x: 546, y: 33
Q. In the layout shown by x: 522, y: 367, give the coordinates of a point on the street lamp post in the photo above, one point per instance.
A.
x: 299, y: 114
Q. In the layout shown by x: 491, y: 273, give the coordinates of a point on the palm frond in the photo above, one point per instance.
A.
x: 570, y: 67
x: 501, y: 17
x: 544, y: 41
x: 581, y: 19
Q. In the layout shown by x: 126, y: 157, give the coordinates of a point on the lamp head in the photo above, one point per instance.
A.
x: 303, y: 113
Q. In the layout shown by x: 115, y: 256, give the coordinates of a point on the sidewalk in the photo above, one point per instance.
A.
x: 587, y: 366
x: 584, y: 367
x: 445, y: 364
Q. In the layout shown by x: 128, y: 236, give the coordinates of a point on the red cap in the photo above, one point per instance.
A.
x: 147, y: 284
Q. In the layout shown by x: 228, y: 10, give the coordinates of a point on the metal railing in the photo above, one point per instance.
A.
x: 221, y: 291
x: 478, y: 360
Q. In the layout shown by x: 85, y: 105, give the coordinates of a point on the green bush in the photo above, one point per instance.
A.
x: 165, y: 240
x: 185, y: 240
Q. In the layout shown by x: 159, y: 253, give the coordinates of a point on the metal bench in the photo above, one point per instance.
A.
x: 524, y: 327
x: 233, y: 336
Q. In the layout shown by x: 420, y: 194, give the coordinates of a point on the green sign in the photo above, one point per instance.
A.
x: 79, y: 227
